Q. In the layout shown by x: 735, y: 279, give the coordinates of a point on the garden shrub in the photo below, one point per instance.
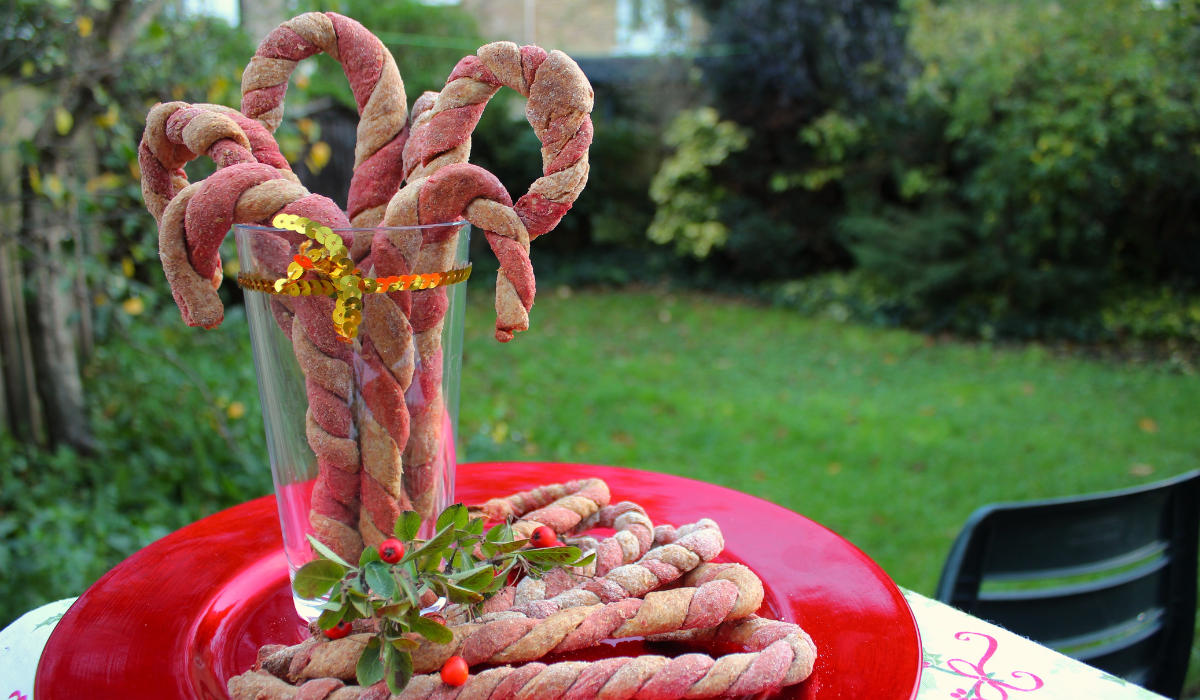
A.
x: 1071, y: 139
x: 1006, y: 170
x: 180, y: 436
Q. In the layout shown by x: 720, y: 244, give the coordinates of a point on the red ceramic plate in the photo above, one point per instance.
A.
x: 180, y: 617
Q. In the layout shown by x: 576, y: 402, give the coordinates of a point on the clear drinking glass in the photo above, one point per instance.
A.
x: 335, y: 413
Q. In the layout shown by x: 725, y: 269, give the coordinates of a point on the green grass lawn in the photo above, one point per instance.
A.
x: 881, y: 435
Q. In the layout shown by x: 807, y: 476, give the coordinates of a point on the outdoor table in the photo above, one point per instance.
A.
x: 864, y: 629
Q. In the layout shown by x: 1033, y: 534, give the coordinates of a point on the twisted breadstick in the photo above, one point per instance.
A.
x: 782, y: 654
x: 633, y: 537
x: 327, y: 364
x: 384, y: 425
x: 378, y: 92
x: 561, y: 507
x: 178, y: 132
x: 559, y: 109
x: 660, y: 566
x: 511, y: 637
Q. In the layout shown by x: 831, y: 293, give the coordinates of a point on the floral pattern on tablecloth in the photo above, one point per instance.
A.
x: 966, y: 658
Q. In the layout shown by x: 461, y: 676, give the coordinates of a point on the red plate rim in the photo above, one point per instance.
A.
x: 180, y: 616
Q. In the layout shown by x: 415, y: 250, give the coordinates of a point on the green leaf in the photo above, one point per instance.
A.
x: 369, y: 554
x: 433, y: 548
x: 369, y: 669
x: 395, y: 612
x: 408, y: 525
x: 489, y: 550
x: 585, y: 561
x: 457, y: 594
x: 474, y: 579
x: 405, y: 644
x: 557, y: 556
x: 499, y: 533
x: 315, y: 578
x: 513, y: 546
x: 329, y: 619
x: 399, y: 669
x: 380, y: 579
x: 456, y: 514
x: 335, y: 601
x: 327, y: 552
x: 430, y: 629
x: 407, y: 587
x: 475, y: 526
x: 495, y: 586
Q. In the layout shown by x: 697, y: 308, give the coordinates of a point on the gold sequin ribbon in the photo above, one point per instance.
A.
x: 337, y: 275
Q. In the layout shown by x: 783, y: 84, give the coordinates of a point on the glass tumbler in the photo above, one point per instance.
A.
x: 358, y: 430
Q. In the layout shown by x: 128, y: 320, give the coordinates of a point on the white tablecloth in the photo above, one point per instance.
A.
x: 965, y: 658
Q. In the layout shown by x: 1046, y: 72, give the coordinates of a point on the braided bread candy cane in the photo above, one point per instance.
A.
x: 378, y: 92
x: 781, y: 654
x: 634, y: 537
x: 252, y: 193
x: 561, y: 507
x: 512, y: 637
x: 631, y: 541
x: 174, y: 133
x: 178, y: 132
x: 658, y: 568
x: 559, y: 109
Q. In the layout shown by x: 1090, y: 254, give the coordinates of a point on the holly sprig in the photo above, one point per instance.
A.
x: 461, y: 563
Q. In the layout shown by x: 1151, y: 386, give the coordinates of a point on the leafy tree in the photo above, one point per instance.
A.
x: 774, y: 67
x: 80, y: 76
x: 1064, y: 167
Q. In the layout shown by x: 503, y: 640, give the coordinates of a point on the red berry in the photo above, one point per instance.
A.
x: 455, y: 671
x: 435, y: 617
x: 391, y: 551
x: 341, y: 629
x: 543, y: 537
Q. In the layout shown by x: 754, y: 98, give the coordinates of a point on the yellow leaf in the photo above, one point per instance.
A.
x: 318, y: 156
x: 28, y: 68
x: 85, y: 25
x: 127, y: 266
x: 107, y: 181
x: 236, y: 410
x: 35, y: 179
x: 109, y: 119
x: 133, y: 306
x: 216, y: 89
x: 1148, y: 425
x: 54, y: 186
x: 63, y: 121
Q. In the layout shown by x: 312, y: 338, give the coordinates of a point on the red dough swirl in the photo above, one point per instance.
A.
x: 378, y: 92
